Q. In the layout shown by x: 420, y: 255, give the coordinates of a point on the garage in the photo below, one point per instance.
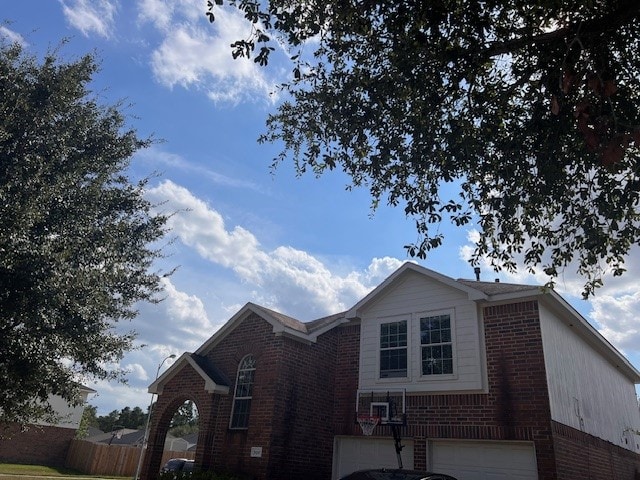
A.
x: 481, y: 460
x: 358, y: 453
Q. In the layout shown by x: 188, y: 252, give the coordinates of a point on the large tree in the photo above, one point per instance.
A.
x: 77, y: 238
x: 529, y: 109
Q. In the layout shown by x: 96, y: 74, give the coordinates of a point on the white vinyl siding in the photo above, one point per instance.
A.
x: 412, y: 298
x: 586, y: 391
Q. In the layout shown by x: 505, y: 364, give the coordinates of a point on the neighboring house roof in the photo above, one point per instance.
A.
x: 478, y: 291
x: 191, y: 438
x: 87, y: 390
x: 93, y: 431
x: 123, y: 436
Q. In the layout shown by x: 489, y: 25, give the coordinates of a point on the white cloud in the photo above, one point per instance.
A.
x: 91, y: 16
x: 619, y: 319
x: 197, y: 56
x: 11, y: 36
x: 162, y: 14
x: 285, y: 278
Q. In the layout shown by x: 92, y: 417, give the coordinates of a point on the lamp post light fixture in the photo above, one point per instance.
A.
x: 146, y: 428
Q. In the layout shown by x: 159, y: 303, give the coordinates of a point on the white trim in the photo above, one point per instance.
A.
x: 186, y: 359
x: 394, y: 319
x: 235, y: 392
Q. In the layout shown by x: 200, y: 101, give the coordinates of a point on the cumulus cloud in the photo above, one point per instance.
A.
x: 11, y: 36
x: 91, y: 16
x: 194, y: 54
x: 285, y: 278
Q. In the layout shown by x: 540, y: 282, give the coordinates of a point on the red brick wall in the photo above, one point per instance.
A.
x: 37, y: 445
x: 291, y: 407
x: 581, y: 456
x: 302, y: 435
x: 346, y: 381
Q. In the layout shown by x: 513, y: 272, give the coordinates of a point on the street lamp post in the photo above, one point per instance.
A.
x: 146, y: 428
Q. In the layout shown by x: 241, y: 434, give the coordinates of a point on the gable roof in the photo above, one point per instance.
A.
x: 214, y: 379
x: 395, y: 277
x: 307, y: 332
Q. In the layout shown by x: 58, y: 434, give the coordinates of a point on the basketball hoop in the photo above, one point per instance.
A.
x: 368, y: 423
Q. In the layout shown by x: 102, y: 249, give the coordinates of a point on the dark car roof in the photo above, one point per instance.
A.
x: 389, y: 474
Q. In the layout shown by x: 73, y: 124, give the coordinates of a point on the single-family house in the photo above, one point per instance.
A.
x: 44, y: 443
x: 481, y: 379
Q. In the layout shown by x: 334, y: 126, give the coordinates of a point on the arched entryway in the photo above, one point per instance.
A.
x: 187, y: 380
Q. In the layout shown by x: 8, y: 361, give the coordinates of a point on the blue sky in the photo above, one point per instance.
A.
x: 304, y: 246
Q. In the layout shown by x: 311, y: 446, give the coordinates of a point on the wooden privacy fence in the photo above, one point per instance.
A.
x: 117, y: 460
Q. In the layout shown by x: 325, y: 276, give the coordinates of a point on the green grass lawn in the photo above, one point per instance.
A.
x: 14, y: 471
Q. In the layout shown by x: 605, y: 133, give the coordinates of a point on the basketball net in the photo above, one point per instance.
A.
x: 368, y: 423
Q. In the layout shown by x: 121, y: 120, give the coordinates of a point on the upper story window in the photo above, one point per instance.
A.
x: 243, y: 393
x: 393, y: 349
x: 436, y: 345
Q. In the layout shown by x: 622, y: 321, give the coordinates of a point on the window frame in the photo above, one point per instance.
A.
x: 429, y: 377
x: 406, y: 347
x: 246, y: 364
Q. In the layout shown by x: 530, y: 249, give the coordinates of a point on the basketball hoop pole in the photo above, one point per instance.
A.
x: 397, y: 441
x: 398, y: 445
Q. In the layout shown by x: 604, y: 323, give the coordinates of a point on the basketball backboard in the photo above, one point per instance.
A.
x: 389, y: 404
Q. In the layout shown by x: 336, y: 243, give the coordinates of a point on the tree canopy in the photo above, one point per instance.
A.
x: 518, y: 116
x: 77, y: 238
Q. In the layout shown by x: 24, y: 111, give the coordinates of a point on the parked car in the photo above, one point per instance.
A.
x: 390, y: 474
x: 183, y: 465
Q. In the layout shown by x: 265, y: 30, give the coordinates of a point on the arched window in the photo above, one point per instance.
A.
x: 243, y: 393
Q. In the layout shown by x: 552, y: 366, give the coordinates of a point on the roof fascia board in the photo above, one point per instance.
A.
x: 521, y: 295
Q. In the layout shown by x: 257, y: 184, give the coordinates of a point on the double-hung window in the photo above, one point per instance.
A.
x: 436, y: 345
x: 393, y: 349
x: 243, y: 393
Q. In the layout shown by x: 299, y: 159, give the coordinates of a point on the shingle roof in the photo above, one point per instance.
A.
x: 210, y: 369
x: 303, y: 327
x: 496, y: 288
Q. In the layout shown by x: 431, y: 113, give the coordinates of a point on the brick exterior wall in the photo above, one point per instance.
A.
x: 39, y: 445
x: 582, y: 456
x: 294, y: 392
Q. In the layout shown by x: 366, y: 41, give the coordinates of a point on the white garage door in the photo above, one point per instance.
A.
x: 358, y: 453
x: 484, y: 460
